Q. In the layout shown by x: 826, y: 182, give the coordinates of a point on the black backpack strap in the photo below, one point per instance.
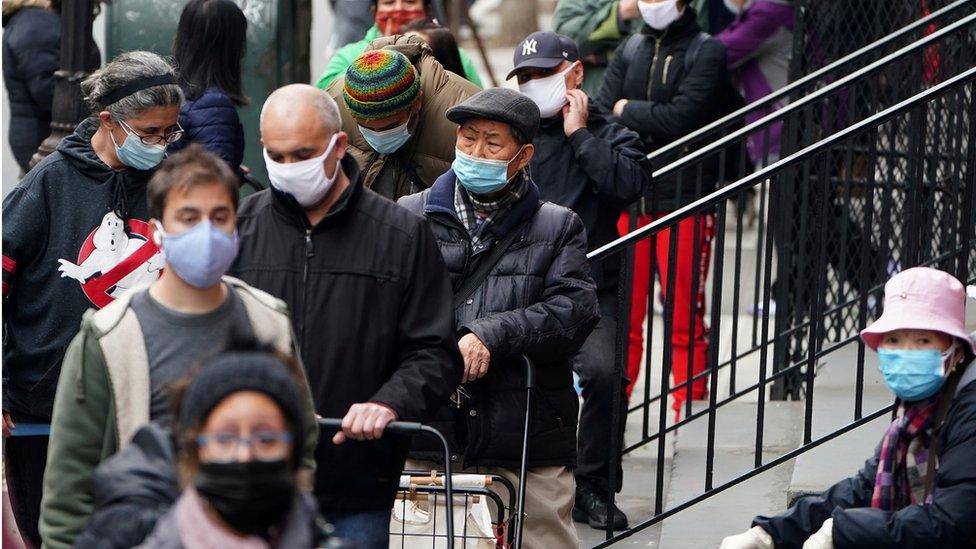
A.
x: 478, y: 277
x: 691, y: 54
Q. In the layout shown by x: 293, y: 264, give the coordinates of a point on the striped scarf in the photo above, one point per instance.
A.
x: 478, y: 214
x: 900, y: 481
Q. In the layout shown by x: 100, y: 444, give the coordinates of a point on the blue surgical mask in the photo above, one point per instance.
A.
x: 387, y: 141
x: 201, y: 255
x: 481, y: 175
x: 136, y: 154
x: 912, y: 374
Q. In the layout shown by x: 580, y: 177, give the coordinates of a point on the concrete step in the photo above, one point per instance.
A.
x: 705, y: 524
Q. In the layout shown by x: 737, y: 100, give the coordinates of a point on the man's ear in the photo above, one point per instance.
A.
x: 342, y: 142
x: 154, y: 235
x: 578, y: 73
x: 527, y: 152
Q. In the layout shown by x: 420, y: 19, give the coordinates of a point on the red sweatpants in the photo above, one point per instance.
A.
x: 688, y: 268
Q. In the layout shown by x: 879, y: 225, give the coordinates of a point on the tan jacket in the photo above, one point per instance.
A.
x: 430, y: 151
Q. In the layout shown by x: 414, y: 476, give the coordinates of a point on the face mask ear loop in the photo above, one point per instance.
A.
x: 338, y: 166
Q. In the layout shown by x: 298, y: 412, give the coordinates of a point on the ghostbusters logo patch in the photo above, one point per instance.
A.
x: 114, y: 259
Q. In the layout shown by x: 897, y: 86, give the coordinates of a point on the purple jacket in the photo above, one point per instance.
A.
x: 759, y: 44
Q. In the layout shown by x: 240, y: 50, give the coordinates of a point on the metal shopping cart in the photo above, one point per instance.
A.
x: 438, y: 509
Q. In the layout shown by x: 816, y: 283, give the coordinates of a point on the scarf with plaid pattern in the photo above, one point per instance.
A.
x: 478, y: 214
x: 900, y: 481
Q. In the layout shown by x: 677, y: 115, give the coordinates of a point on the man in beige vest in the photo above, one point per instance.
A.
x: 117, y: 371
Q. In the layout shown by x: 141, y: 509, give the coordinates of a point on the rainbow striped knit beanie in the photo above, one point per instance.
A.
x: 380, y: 83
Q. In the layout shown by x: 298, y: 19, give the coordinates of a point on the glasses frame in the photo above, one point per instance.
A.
x: 280, y: 436
x: 152, y: 140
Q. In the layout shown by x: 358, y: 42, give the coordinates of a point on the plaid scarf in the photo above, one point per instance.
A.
x: 904, y: 455
x: 478, y: 214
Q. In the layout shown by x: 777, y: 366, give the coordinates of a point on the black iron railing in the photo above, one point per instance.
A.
x: 902, y: 182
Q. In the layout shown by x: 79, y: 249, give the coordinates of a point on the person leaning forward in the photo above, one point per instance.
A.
x: 538, y: 300
x: 392, y: 100
x: 370, y: 297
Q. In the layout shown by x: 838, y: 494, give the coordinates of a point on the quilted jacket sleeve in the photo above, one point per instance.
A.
x: 212, y: 121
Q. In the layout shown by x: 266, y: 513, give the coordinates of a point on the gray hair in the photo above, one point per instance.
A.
x: 120, y: 71
x: 297, y: 94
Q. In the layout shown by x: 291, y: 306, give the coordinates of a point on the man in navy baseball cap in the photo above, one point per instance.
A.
x: 595, y: 166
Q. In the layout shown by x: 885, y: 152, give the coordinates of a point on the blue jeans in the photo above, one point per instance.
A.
x: 367, y: 529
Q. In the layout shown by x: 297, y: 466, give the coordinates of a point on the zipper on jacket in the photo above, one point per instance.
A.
x: 309, y: 253
x: 664, y: 73
x: 657, y: 50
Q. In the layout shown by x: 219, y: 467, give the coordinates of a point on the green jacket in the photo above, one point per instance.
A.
x: 430, y: 150
x: 593, y: 25
x: 345, y: 55
x: 103, y: 398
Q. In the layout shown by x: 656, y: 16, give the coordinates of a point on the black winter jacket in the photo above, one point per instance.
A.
x: 597, y: 172
x: 59, y: 229
x: 948, y: 523
x: 665, y: 104
x: 133, y: 489
x: 212, y: 121
x: 371, y: 304
x: 539, y: 301
x: 31, y: 42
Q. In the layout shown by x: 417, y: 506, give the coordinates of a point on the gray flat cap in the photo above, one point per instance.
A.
x: 502, y: 104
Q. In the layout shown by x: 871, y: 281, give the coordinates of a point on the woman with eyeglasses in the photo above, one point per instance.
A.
x: 209, y: 47
x: 75, y: 236
x: 238, y: 433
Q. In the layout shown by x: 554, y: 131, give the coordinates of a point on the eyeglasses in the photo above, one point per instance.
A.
x: 171, y: 137
x: 264, y: 445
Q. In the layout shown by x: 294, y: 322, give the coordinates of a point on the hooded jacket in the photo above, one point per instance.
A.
x: 371, y: 305
x: 949, y: 522
x: 665, y: 104
x: 430, y: 150
x: 597, y: 172
x: 538, y: 301
x: 61, y: 226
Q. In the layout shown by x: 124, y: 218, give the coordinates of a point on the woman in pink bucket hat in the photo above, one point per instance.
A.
x: 919, y: 489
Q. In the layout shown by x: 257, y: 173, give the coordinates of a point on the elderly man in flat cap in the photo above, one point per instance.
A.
x: 522, y: 286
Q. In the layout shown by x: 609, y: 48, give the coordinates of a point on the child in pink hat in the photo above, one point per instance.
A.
x: 919, y: 489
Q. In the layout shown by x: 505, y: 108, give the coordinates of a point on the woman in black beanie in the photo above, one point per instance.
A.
x: 238, y: 431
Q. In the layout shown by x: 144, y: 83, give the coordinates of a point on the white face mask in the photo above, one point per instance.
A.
x: 659, y: 14
x: 304, y: 180
x: 548, y: 93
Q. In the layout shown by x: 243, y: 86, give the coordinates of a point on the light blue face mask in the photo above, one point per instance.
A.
x: 912, y: 374
x: 387, y: 141
x: 481, y: 175
x: 136, y: 154
x: 201, y: 255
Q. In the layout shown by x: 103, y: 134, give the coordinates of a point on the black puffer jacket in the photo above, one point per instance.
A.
x: 665, y: 104
x: 371, y: 305
x: 949, y: 522
x: 133, y: 489
x: 539, y: 301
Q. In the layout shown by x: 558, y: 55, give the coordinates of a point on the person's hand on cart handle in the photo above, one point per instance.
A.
x: 364, y: 421
x: 476, y: 357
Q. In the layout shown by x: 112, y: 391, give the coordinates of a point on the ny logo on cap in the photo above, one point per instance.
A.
x: 529, y: 46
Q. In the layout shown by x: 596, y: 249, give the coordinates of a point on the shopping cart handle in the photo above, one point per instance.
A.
x: 393, y: 428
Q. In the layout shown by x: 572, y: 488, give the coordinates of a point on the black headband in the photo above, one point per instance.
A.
x: 136, y: 85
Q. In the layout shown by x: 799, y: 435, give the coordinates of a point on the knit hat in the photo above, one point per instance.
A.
x: 233, y: 372
x: 379, y: 84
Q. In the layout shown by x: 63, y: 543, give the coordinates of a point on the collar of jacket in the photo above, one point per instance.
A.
x: 440, y: 201
x: 684, y: 26
x: 595, y: 115
x: 294, y: 214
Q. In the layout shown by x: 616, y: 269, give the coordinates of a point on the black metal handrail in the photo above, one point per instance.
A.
x: 814, y: 77
x: 916, y: 106
x: 730, y: 190
x: 825, y: 91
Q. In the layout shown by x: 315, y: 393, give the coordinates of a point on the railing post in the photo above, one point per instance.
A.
x: 967, y: 217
